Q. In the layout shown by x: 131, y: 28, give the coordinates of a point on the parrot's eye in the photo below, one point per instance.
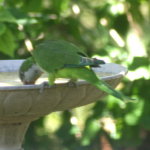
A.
x: 36, y: 71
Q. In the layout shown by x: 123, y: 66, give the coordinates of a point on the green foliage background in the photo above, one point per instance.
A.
x: 117, y: 31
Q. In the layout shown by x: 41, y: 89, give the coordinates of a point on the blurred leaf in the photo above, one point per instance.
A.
x: 7, y: 43
x: 1, y: 1
x: 18, y: 13
x: 2, y: 28
x: 145, y: 118
x: 130, y: 137
x: 6, y: 16
x: 139, y: 62
x: 134, y: 112
x: 90, y: 131
x: 60, y: 6
x: 66, y: 129
x: 32, y: 5
x: 121, y: 24
x: 73, y: 27
x: 141, y: 88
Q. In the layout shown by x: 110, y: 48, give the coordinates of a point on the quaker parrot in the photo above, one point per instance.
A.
x: 62, y: 59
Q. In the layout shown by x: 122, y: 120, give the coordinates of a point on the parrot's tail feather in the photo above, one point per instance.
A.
x: 102, y: 85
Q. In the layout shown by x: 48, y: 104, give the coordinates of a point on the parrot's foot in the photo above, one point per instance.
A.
x: 43, y: 86
x: 72, y: 83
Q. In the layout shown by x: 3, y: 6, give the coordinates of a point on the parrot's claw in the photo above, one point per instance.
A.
x: 43, y: 86
x: 72, y: 83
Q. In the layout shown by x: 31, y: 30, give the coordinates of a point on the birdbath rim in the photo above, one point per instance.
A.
x: 13, y: 66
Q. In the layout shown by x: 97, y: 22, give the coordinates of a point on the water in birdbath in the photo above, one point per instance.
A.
x: 9, y: 78
x: 12, y: 78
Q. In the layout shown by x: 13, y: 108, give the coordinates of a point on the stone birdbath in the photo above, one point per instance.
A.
x: 22, y: 104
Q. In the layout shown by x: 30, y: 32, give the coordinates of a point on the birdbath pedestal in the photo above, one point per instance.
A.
x: 22, y: 104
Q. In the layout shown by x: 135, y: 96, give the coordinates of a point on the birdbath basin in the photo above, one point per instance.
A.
x: 22, y: 104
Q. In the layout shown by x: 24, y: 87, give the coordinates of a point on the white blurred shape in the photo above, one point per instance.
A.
x: 76, y: 9
x: 28, y: 44
x: 117, y: 38
x: 74, y: 120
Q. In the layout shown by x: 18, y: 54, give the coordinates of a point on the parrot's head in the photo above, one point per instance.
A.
x: 29, y: 72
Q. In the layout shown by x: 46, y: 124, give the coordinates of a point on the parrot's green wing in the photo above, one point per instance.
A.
x: 53, y: 55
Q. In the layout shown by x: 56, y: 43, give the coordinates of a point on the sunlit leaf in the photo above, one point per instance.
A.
x: 60, y: 6
x: 7, y: 43
x: 134, y: 112
x: 139, y: 62
x: 90, y: 131
x: 2, y: 28
x: 6, y: 16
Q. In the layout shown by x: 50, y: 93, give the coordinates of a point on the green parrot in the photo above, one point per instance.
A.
x: 61, y: 59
